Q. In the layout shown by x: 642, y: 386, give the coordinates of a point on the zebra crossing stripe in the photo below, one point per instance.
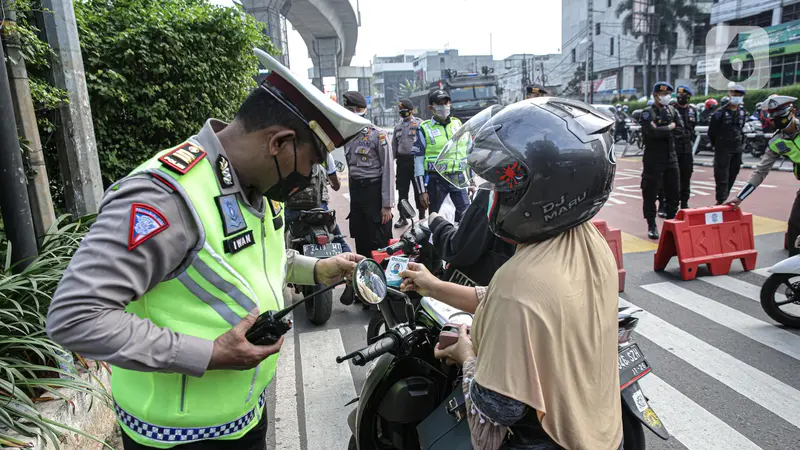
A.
x: 763, y: 272
x: 287, y: 431
x: 747, y: 290
x: 757, y: 330
x: 753, y: 384
x: 327, y: 387
x: 688, y: 422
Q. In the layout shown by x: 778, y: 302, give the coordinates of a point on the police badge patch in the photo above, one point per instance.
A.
x: 145, y: 223
x: 276, y: 208
x: 225, y: 172
x: 183, y: 158
x: 231, y: 214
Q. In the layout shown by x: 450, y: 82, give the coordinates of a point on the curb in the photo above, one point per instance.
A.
x: 745, y: 166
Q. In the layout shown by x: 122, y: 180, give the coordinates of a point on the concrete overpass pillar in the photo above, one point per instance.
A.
x: 326, y: 55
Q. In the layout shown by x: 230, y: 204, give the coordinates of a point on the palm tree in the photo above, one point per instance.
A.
x: 671, y: 15
x: 408, y: 87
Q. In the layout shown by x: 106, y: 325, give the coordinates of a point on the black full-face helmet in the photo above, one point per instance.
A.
x: 549, y: 162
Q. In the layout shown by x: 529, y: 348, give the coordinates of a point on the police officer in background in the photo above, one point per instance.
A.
x: 371, y: 167
x: 725, y: 133
x: 684, y: 141
x: 405, y: 134
x: 660, y: 126
x: 535, y: 90
x: 431, y: 138
x: 185, y: 253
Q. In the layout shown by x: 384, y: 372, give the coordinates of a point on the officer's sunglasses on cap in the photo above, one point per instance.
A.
x: 319, y: 136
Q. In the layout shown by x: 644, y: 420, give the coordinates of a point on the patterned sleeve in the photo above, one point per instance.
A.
x: 487, y: 432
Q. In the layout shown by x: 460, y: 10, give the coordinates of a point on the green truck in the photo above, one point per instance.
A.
x: 470, y: 94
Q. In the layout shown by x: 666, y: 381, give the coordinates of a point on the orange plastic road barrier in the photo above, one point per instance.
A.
x: 714, y: 236
x: 614, y: 240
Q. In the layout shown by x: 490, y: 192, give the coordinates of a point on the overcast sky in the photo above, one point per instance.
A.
x: 388, y: 27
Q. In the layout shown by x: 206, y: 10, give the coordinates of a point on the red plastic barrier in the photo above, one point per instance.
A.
x: 614, y: 240
x: 714, y: 236
x: 380, y: 256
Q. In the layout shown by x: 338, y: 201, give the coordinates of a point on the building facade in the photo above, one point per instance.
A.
x: 618, y: 56
x: 517, y: 71
x: 429, y: 66
x: 389, y: 75
x: 780, y: 19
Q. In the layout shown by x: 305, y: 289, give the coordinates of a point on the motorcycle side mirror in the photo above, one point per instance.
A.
x: 406, y: 210
x: 369, y: 282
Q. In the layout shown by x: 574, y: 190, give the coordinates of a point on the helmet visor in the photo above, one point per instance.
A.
x: 475, y: 156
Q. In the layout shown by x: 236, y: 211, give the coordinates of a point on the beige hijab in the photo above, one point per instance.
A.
x: 546, y: 335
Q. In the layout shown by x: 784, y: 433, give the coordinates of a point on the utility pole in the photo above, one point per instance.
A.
x: 14, y: 205
x: 77, y: 149
x: 25, y: 115
x: 619, y: 65
x: 525, y: 80
x: 590, y: 56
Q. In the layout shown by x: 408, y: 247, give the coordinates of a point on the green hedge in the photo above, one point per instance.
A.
x: 750, y: 99
x: 156, y: 70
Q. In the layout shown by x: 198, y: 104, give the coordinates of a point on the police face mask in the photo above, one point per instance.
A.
x: 736, y: 100
x: 442, y: 111
x: 683, y: 101
x: 293, y: 183
x: 664, y: 99
x: 404, y: 113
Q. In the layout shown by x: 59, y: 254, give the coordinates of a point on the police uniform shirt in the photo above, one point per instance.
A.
x: 87, y: 312
x: 369, y: 156
x: 726, y: 127
x: 405, y: 136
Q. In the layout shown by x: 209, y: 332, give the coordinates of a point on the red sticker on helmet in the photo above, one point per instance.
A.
x: 511, y: 175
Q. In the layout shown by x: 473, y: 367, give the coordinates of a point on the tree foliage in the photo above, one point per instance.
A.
x: 157, y: 69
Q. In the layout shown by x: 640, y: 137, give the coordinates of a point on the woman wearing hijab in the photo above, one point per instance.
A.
x: 540, y: 366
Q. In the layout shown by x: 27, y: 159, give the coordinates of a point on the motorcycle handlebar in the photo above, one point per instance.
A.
x: 384, y: 345
x: 394, y: 248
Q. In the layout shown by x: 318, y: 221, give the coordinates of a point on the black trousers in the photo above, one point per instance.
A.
x: 726, y: 169
x: 654, y: 177
x: 405, y: 174
x: 255, y: 439
x: 794, y: 225
x: 365, y: 216
x: 686, y: 168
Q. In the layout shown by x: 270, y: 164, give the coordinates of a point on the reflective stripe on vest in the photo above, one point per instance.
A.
x: 208, y: 295
x: 788, y: 148
x: 434, y: 146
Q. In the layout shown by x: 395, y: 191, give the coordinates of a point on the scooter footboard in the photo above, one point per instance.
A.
x: 634, y: 400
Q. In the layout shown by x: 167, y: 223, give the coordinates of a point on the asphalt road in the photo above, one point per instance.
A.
x: 724, y: 374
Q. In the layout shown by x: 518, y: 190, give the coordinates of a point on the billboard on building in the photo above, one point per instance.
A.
x: 604, y: 85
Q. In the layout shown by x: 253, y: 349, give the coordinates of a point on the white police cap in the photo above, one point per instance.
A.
x: 331, y: 123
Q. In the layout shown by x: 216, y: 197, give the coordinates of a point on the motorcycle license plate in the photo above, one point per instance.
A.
x: 632, y: 365
x: 322, y: 251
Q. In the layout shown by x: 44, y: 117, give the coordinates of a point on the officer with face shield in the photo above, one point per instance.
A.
x: 785, y: 142
x: 372, y: 183
x: 432, y: 137
x: 726, y: 134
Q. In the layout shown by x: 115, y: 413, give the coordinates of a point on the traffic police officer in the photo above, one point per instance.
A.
x: 431, y: 139
x: 371, y: 168
x: 660, y: 124
x: 725, y: 133
x: 185, y: 253
x: 785, y: 142
x: 405, y: 134
x: 534, y: 91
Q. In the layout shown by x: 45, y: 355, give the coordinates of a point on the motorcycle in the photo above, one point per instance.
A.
x: 781, y: 279
x: 755, y: 142
x: 413, y: 243
x: 405, y: 383
x: 311, y: 234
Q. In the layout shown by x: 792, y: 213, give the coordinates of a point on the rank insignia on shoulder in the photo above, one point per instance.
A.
x: 145, y: 223
x: 231, y: 214
x: 238, y: 243
x: 276, y: 208
x: 183, y: 157
x: 225, y: 172
x: 382, y: 138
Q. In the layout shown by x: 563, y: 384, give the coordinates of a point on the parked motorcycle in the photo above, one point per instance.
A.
x: 780, y: 294
x: 406, y: 383
x: 311, y: 234
x: 755, y: 141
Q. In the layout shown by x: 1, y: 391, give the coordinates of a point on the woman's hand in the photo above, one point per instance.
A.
x: 416, y: 277
x: 458, y: 352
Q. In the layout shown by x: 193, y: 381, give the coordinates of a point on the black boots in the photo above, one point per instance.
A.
x: 401, y: 223
x: 652, y: 230
x: 685, y: 205
x: 662, y: 211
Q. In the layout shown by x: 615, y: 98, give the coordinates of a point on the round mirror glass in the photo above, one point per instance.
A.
x: 369, y: 282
